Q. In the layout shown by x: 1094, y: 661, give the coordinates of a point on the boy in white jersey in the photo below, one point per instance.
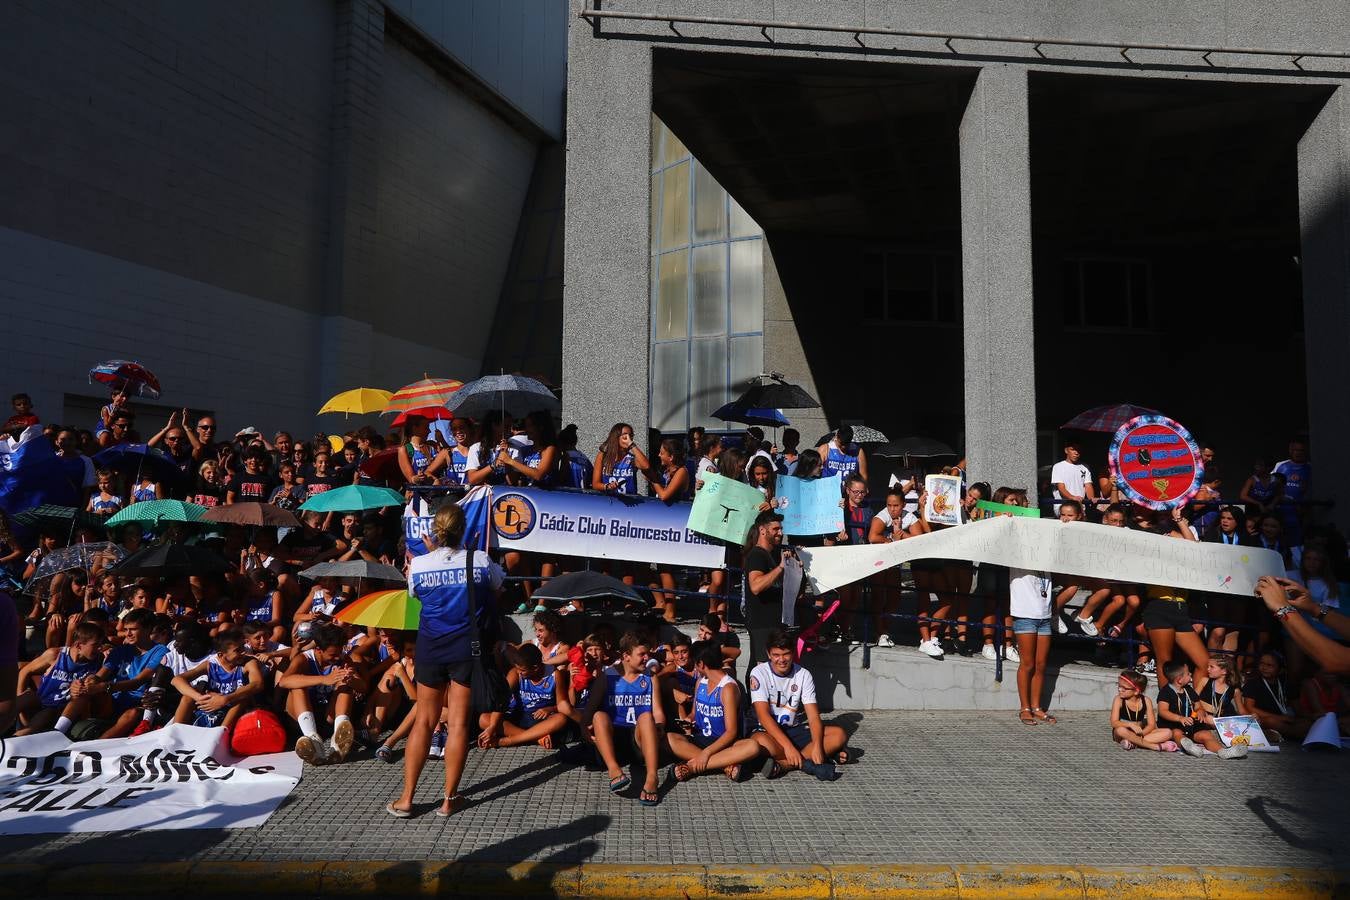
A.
x: 784, y: 699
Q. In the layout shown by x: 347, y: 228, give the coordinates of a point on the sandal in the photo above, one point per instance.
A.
x: 619, y: 784
x: 681, y: 773
x: 843, y: 757
x: 777, y: 772
x: 1043, y: 715
x: 454, y: 801
x: 733, y: 772
x: 396, y: 812
x: 1026, y: 716
x: 649, y: 798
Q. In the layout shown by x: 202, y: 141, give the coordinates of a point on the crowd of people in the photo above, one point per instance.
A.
x: 96, y: 652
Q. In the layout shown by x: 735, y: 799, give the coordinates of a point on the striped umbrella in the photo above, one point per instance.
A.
x: 383, y: 609
x: 427, y: 392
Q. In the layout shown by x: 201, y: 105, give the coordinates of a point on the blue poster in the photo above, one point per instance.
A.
x: 810, y: 505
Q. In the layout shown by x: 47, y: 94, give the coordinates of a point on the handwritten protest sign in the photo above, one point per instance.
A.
x: 724, y: 509
x: 1049, y: 545
x: 943, y: 505
x: 810, y: 505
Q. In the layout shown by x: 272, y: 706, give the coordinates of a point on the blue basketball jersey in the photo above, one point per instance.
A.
x: 624, y: 473
x: 532, y: 456
x: 418, y: 457
x: 626, y: 701
x: 536, y: 695
x: 579, y: 470
x: 839, y: 462
x: 459, y: 464
x: 54, y: 689
x: 260, y: 608
x: 320, y: 693
x: 219, y: 681
x: 111, y: 504
x: 710, y: 716
x: 143, y: 494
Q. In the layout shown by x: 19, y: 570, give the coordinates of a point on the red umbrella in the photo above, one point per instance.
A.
x: 430, y: 413
x: 126, y: 375
x: 1107, y: 418
x: 383, y: 466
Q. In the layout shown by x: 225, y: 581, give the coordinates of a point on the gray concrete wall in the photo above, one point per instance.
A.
x: 263, y: 202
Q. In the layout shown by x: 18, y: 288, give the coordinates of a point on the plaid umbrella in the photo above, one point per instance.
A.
x: 124, y: 374
x: 427, y: 392
x: 862, y: 434
x: 1107, y: 418
x: 59, y: 520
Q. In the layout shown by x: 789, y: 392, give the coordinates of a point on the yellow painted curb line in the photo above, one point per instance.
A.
x: 342, y: 878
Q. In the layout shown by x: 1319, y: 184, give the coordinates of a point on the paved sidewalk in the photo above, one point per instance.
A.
x: 932, y: 787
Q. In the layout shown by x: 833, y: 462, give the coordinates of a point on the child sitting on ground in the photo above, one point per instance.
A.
x: 715, y: 743
x: 66, y: 692
x: 133, y: 664
x: 1134, y: 721
x: 539, y: 706
x: 621, y: 707
x: 322, y: 684
x: 395, y: 692
x: 1192, y: 725
x: 233, y: 681
x: 784, y: 698
x: 1322, y: 694
x: 1268, y: 699
x: 548, y: 638
x: 677, y: 679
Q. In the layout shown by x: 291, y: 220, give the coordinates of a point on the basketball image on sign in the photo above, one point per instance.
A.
x: 512, y: 516
x: 1155, y: 462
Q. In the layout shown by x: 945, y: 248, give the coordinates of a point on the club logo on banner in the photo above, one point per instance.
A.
x: 513, y: 515
x: 1155, y: 462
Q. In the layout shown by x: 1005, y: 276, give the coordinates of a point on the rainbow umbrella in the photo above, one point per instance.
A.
x: 126, y: 375
x: 427, y: 392
x: 383, y: 609
x: 359, y: 401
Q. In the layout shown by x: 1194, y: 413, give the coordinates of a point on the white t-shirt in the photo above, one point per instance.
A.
x: 705, y: 466
x: 178, y: 662
x: 907, y: 518
x: 475, y: 458
x: 1072, y: 475
x: 787, y: 695
x: 1029, y: 594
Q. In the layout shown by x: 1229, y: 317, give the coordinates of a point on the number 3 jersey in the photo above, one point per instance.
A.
x: 785, y: 694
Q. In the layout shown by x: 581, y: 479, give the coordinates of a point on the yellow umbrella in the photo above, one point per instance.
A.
x: 359, y: 401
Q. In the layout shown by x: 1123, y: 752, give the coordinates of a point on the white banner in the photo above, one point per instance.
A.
x: 1049, y: 545
x: 180, y: 776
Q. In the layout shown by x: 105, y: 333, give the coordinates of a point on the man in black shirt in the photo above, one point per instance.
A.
x: 764, y: 584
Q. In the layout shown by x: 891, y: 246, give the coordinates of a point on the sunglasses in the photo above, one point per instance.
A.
x: 206, y: 428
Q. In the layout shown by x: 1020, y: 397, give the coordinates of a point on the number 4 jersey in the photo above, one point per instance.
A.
x: 786, y: 695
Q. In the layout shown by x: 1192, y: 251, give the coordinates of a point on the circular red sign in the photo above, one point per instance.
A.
x: 1155, y: 462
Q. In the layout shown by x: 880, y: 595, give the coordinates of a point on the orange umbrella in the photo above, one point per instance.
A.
x: 427, y: 392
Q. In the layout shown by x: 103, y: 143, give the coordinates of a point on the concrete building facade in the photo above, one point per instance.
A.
x: 980, y: 219
x: 266, y: 203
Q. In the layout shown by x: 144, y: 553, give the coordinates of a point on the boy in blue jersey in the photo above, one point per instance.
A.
x: 539, y: 706
x: 677, y: 679
x: 622, y: 707
x: 133, y: 664
x: 784, y: 698
x: 234, y: 680
x: 322, y: 685
x: 72, y: 685
x: 715, y: 743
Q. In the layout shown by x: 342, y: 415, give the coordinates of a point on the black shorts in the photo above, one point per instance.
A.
x: 1162, y: 615
x: 799, y: 734
x: 436, y: 675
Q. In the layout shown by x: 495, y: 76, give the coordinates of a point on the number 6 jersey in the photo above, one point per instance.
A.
x: 785, y: 694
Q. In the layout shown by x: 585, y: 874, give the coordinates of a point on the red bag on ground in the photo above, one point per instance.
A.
x: 581, y: 676
x: 258, y: 731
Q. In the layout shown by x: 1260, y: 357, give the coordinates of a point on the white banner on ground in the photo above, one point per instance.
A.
x: 177, y: 777
x: 1069, y: 548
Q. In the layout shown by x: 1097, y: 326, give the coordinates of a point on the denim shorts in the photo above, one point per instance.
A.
x: 1031, y: 626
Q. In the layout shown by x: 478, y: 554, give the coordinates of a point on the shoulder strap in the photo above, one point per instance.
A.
x: 475, y: 642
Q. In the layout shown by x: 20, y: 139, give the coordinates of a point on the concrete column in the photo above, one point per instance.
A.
x: 1000, y: 376
x: 606, y: 263
x: 1324, y: 228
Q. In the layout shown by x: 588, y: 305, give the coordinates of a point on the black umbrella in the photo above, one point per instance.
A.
x: 917, y: 447
x: 862, y: 434
x: 172, y: 559
x: 138, y: 459
x: 585, y: 586
x: 776, y: 394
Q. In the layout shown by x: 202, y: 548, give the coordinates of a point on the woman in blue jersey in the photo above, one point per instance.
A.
x: 841, y: 456
x: 444, y: 663
x: 416, y: 453
x: 454, y: 459
x: 482, y: 466
x: 618, y: 462
x: 671, y: 483
x: 536, y: 464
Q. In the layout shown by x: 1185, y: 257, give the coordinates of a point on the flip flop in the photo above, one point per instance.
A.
x: 649, y: 798
x: 396, y: 812
x: 843, y: 757
x: 776, y: 772
x: 620, y: 784
x: 681, y: 773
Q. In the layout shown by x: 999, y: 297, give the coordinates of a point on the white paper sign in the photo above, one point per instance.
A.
x: 180, y: 776
x: 943, y: 503
x: 1049, y: 545
x: 1244, y: 730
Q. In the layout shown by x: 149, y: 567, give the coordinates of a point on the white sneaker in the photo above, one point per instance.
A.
x: 343, y: 735
x: 312, y: 750
x: 1088, y: 628
x: 1062, y: 627
x: 930, y: 648
x: 1237, y: 751
x: 988, y: 652
x: 1010, y: 654
x: 1192, y: 748
x: 885, y: 641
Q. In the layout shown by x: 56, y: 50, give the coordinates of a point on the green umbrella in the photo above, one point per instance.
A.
x: 155, y: 512
x: 59, y: 520
x: 351, y: 498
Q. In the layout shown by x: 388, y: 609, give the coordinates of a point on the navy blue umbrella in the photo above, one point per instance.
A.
x: 137, y: 460
x: 735, y: 412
